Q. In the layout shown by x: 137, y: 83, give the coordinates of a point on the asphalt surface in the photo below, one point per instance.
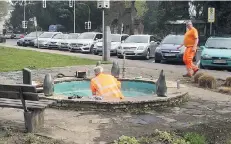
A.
x: 173, y: 66
x: 14, y: 42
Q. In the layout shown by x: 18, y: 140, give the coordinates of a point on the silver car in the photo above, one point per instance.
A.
x: 116, y: 40
x: 70, y: 38
x: 43, y: 39
x: 138, y: 46
x: 54, y: 43
x: 85, y: 42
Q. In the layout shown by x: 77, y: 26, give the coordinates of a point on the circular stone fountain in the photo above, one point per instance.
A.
x: 139, y: 94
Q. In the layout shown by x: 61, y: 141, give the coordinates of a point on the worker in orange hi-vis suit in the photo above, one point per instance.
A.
x: 190, y: 42
x: 105, y: 86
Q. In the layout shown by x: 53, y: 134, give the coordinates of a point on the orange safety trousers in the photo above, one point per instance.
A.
x: 188, y: 59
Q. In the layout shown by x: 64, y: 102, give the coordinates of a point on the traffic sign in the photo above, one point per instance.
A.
x: 103, y: 4
x: 88, y: 25
x: 24, y: 24
x: 70, y: 3
x: 44, y: 3
x: 35, y: 22
x: 211, y: 15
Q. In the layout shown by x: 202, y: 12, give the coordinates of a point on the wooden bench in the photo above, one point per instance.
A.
x: 25, y: 97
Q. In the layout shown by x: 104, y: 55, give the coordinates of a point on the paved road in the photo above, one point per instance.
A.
x: 146, y: 64
x: 14, y: 42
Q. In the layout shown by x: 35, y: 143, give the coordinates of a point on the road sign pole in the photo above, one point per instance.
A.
x: 104, y: 38
x: 74, y: 16
x: 211, y: 28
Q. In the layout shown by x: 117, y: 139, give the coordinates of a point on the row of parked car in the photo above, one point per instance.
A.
x: 91, y: 42
x: 215, y: 53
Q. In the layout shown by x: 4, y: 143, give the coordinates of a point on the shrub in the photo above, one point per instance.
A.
x: 126, y: 140
x: 207, y: 81
x: 197, y: 76
x: 226, y: 90
x: 194, y: 138
x: 228, y: 82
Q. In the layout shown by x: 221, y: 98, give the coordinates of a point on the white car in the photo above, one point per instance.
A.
x: 116, y: 40
x: 138, y: 46
x: 85, y: 42
x: 44, y: 39
x: 55, y: 42
x: 70, y: 38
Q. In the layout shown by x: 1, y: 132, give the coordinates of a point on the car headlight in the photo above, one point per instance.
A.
x: 140, y: 48
x: 115, y: 46
x: 206, y: 56
x: 182, y: 50
x: 86, y: 44
x: 158, y: 49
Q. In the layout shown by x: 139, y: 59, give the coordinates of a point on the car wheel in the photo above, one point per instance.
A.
x: 157, y: 61
x: 119, y: 56
x: 147, y: 57
x: 95, y: 52
x: 201, y: 66
x: 91, y: 49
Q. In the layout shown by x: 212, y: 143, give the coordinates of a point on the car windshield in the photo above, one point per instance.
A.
x: 46, y: 35
x: 115, y: 38
x: 33, y: 34
x: 73, y: 36
x: 218, y: 43
x: 137, y: 39
x: 58, y: 36
x: 177, y: 40
x: 87, y: 36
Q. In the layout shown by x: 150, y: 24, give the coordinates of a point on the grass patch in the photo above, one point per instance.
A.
x: 15, y: 59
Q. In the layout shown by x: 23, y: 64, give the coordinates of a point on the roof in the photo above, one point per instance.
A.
x: 184, y: 21
x: 120, y: 34
x: 93, y: 32
x: 141, y: 35
x: 175, y: 35
x: 219, y: 37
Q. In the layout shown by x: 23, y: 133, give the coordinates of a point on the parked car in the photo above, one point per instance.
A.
x: 85, y: 42
x: 138, y: 46
x: 28, y: 40
x: 216, y: 53
x: 71, y: 38
x: 116, y: 40
x: 54, y: 42
x: 44, y: 39
x: 20, y: 42
x: 167, y: 50
x: 18, y: 36
x: 2, y: 38
x: 10, y: 35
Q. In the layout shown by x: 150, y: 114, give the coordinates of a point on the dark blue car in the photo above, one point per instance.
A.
x: 167, y: 50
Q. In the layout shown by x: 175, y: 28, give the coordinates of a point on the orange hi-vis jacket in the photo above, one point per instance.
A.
x: 190, y: 37
x: 107, y: 86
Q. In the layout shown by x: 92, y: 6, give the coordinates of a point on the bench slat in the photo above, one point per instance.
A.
x: 16, y: 88
x: 28, y: 104
x: 15, y: 95
x: 19, y: 106
x: 42, y: 102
